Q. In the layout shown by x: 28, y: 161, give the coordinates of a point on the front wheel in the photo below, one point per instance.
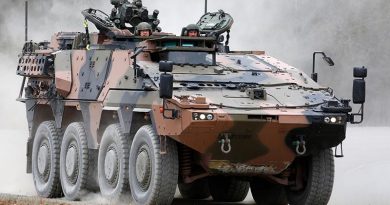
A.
x: 317, y: 175
x: 228, y: 189
x: 268, y: 193
x: 153, y: 176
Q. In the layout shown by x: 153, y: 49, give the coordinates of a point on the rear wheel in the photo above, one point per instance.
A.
x: 74, y: 161
x: 267, y: 193
x: 153, y: 176
x: 317, y: 173
x: 46, y: 160
x: 113, y: 162
x: 198, y: 189
x: 228, y: 189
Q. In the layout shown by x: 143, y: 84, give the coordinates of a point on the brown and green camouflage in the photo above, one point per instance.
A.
x: 262, y: 129
x: 239, y: 113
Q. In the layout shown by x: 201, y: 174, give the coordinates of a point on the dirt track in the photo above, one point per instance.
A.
x: 6, y: 199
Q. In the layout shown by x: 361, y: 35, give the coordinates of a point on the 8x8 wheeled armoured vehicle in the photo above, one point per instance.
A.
x: 112, y: 110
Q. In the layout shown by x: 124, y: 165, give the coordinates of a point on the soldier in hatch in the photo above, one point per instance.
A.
x: 143, y: 29
x: 193, y: 30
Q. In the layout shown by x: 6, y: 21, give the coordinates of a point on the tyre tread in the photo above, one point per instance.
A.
x: 166, y: 169
x: 124, y: 148
x: 79, y: 127
x: 320, y: 185
x: 55, y: 189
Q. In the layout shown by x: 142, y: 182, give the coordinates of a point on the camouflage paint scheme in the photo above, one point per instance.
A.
x: 98, y: 87
x: 94, y: 83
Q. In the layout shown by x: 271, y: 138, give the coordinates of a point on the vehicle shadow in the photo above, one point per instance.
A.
x: 179, y: 201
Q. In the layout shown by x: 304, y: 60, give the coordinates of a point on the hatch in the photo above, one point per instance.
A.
x: 215, y: 23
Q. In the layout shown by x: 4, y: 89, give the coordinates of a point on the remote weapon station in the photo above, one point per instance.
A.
x: 123, y: 109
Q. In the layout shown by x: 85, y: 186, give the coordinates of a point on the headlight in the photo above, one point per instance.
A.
x: 333, y: 120
x: 202, y: 116
x: 326, y: 119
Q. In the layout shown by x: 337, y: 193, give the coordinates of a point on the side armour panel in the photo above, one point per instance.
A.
x: 63, y: 73
x: 93, y: 74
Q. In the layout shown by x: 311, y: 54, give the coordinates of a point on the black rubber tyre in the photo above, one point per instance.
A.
x: 113, y: 162
x: 319, y: 177
x: 267, y: 193
x: 198, y: 189
x: 74, y: 161
x: 46, y: 160
x: 228, y: 189
x: 153, y: 176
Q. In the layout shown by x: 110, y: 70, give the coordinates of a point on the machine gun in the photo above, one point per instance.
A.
x: 126, y: 15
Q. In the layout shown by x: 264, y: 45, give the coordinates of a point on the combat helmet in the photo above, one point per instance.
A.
x: 142, y: 27
x: 193, y: 27
x: 190, y: 27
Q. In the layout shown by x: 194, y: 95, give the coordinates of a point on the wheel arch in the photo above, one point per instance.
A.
x: 36, y: 114
x: 131, y: 119
x: 55, y: 111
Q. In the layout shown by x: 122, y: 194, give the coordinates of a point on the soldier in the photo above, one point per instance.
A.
x: 137, y: 3
x: 143, y: 29
x: 193, y: 30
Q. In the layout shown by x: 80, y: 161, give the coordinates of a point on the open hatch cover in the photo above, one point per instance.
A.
x: 215, y: 23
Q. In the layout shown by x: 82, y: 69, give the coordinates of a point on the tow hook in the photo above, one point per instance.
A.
x: 300, y: 146
x: 226, y: 147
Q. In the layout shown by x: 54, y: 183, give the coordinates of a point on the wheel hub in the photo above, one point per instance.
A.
x: 111, y: 165
x: 71, y: 161
x: 143, y: 168
x: 43, y: 159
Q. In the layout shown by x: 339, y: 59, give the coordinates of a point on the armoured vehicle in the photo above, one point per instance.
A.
x: 112, y: 110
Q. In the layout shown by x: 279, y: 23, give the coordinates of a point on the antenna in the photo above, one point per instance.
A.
x: 25, y: 39
x: 205, y: 6
x: 26, y: 22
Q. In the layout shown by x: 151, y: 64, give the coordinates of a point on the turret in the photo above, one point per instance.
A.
x: 128, y: 15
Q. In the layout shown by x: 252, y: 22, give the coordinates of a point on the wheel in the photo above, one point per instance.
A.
x: 318, y: 175
x: 228, y: 189
x: 198, y: 189
x: 267, y: 193
x: 113, y: 162
x: 74, y: 161
x: 153, y: 176
x: 46, y: 160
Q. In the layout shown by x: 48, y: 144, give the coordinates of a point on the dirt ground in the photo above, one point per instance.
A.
x: 8, y: 199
